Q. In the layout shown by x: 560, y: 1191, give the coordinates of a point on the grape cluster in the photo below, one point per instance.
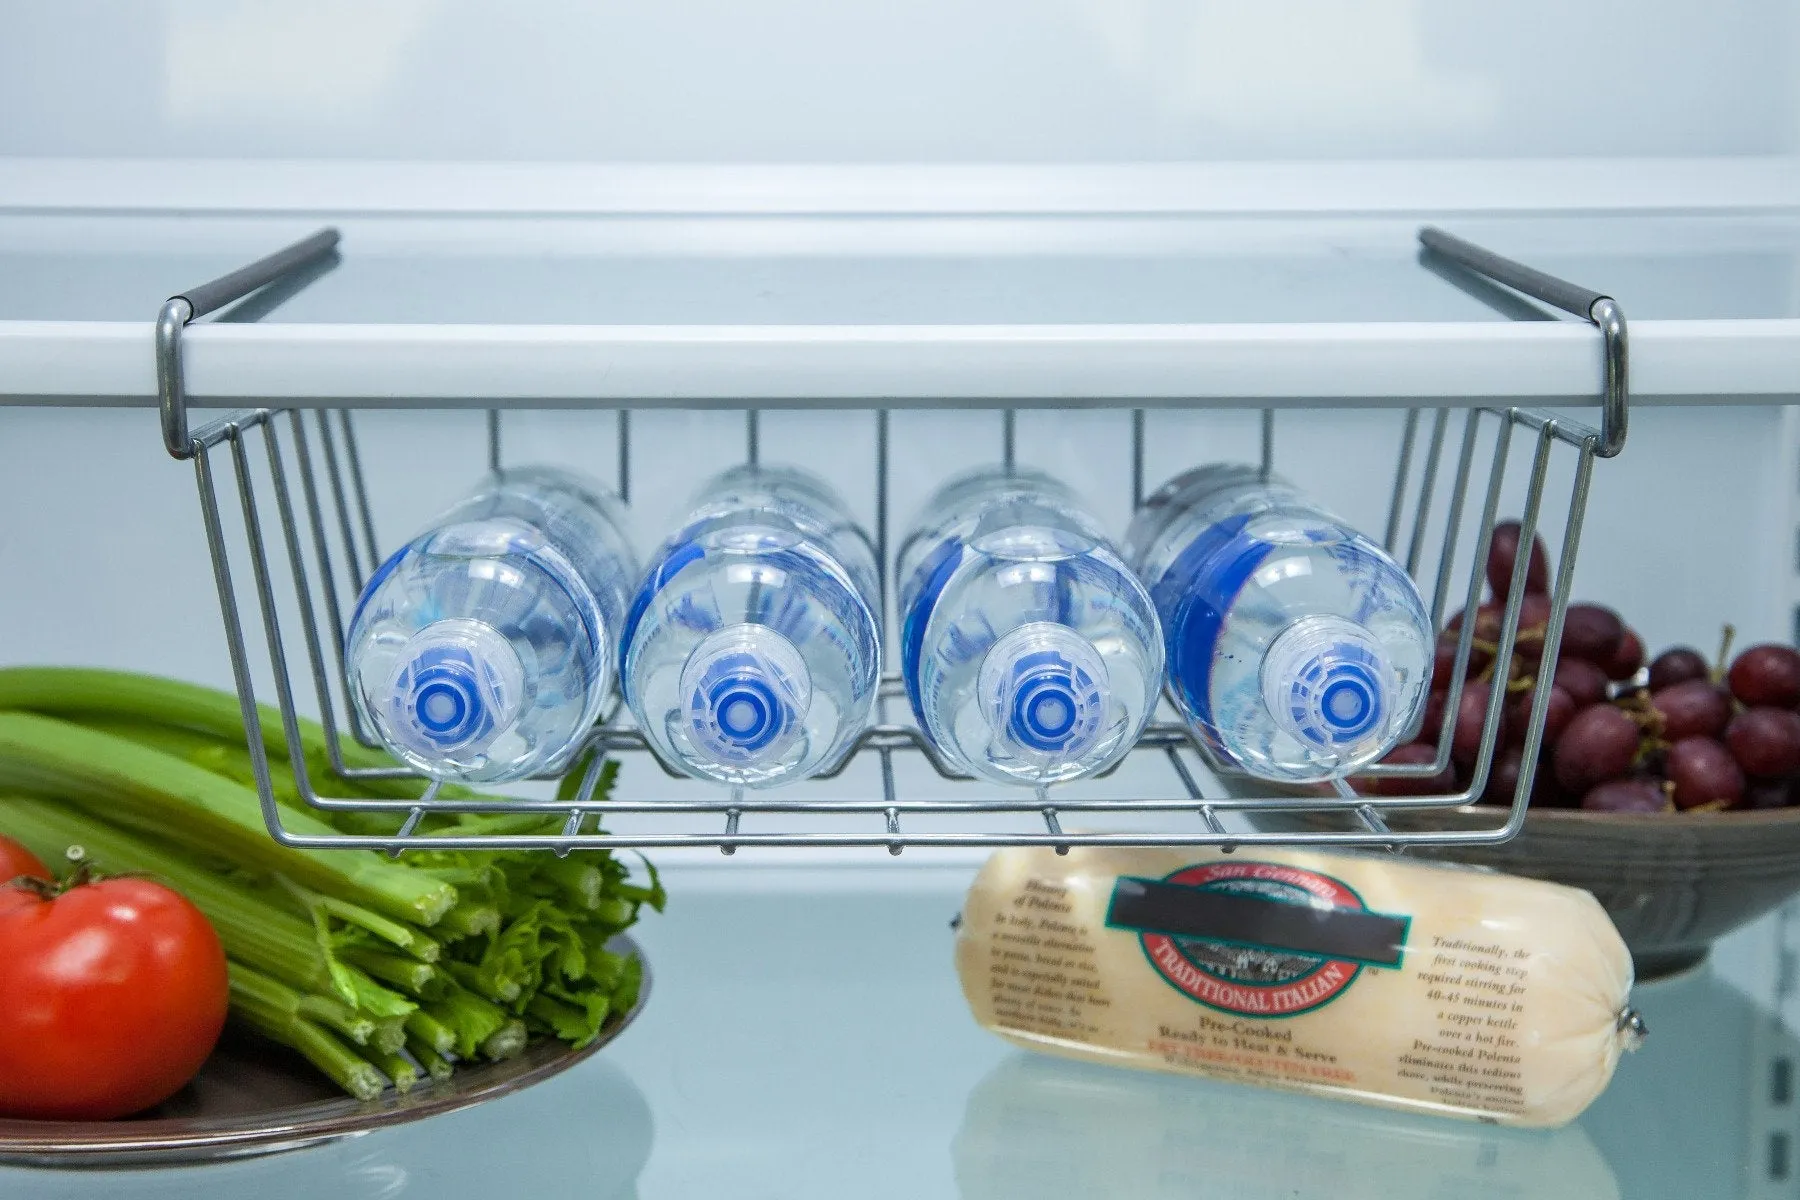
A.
x: 1617, y: 738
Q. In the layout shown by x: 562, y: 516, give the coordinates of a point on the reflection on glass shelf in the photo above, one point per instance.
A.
x: 1700, y: 1111
x: 1045, y: 1127
x: 1691, y: 1114
x: 585, y: 1134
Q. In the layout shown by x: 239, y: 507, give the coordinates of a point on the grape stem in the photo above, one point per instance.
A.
x: 1726, y: 633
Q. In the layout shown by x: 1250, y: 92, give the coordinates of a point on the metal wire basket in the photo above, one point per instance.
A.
x: 314, y: 553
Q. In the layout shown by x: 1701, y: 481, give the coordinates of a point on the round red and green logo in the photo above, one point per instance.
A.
x: 1247, y: 979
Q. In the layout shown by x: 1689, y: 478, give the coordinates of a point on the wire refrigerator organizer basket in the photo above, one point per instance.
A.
x: 309, y: 537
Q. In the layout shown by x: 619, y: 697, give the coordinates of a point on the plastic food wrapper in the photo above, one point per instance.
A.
x: 1440, y: 989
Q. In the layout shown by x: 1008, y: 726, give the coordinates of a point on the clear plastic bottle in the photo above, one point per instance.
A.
x: 1297, y: 648
x: 1030, y: 651
x: 753, y: 648
x: 483, y: 650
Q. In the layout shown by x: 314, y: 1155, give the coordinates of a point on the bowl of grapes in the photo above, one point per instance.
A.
x: 1668, y: 784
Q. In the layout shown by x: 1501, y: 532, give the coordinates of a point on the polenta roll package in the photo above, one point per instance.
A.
x: 1438, y: 989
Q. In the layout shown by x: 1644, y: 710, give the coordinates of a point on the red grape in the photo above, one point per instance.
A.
x: 1443, y: 659
x: 1634, y: 795
x: 1556, y: 717
x: 1677, y: 665
x: 1599, y: 744
x: 1765, y: 741
x: 1703, y: 772
x: 1471, y: 718
x: 1534, y: 615
x: 1433, y: 722
x: 1766, y: 675
x: 1443, y: 663
x: 1768, y: 793
x: 1503, y: 781
x: 1503, y: 777
x: 1444, y: 782
x: 1504, y: 549
x: 1585, y: 683
x: 1487, y: 620
x: 1593, y: 632
x: 1629, y: 658
x: 1534, y: 611
x: 1697, y: 708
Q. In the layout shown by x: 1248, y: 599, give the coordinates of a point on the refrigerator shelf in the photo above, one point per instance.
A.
x: 788, y: 287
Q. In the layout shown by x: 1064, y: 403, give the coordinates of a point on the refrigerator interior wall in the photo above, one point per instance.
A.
x: 1015, y: 81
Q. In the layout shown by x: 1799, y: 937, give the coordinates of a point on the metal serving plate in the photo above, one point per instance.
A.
x: 253, y: 1097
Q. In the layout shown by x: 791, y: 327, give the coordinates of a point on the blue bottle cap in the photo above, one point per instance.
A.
x: 746, y: 693
x: 1046, y: 692
x: 1326, y: 681
x: 458, y: 685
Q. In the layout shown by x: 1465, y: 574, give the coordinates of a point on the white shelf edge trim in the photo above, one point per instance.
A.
x: 1445, y: 187
x: 835, y: 366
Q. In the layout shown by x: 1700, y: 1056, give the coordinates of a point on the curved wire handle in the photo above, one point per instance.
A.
x: 1573, y: 299
x: 317, y: 249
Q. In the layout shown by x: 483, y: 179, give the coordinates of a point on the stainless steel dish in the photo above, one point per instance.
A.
x: 253, y: 1097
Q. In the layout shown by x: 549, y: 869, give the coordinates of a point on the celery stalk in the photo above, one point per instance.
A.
x: 251, y: 928
x: 421, y: 1026
x: 505, y: 1042
x: 336, y: 1016
x: 338, y: 1062
x: 81, y: 692
x: 122, y: 779
x: 397, y: 1067
x: 470, y: 920
x: 77, y: 692
x: 417, y: 944
x: 581, y: 883
x: 435, y: 1064
x: 494, y: 987
x: 421, y: 980
x: 390, y: 1035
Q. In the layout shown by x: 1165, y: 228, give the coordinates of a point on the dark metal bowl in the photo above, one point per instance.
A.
x: 1672, y: 882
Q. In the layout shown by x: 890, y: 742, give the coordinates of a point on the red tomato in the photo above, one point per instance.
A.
x: 111, y: 996
x: 16, y: 860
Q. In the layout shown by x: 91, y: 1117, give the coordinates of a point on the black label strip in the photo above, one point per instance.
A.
x: 1154, y: 906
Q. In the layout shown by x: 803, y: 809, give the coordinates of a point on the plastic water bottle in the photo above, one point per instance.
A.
x: 1030, y: 651
x: 483, y: 650
x: 753, y: 649
x: 1296, y: 647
